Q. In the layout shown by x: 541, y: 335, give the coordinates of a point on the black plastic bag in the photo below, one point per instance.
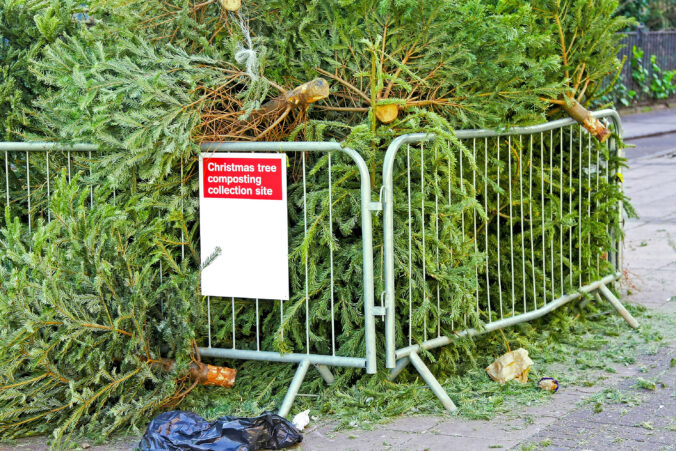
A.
x: 179, y: 430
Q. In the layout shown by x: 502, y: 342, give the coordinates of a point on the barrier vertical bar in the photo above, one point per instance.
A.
x: 333, y: 319
x: 91, y: 184
x: 475, y: 237
x: 305, y: 261
x: 49, y: 213
x: 182, y: 217
x: 462, y: 213
x: 28, y: 189
x: 523, y: 225
x: 511, y: 220
x: 436, y: 233
x: 596, y: 204
x: 551, y: 210
x: 563, y: 288
x: 542, y: 215
x: 589, y: 190
x: 281, y: 320
x: 531, y: 219
x: 7, y: 176
x: 258, y: 328
x: 209, y: 320
x: 488, y: 282
x: 232, y: 305
x: 570, y: 209
x: 497, y: 217
x: 579, y: 211
x: 410, y: 247
x: 450, y: 201
x: 422, y: 217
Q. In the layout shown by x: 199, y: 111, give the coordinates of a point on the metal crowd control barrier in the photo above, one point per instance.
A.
x: 31, y: 166
x: 557, y: 286
x: 321, y: 360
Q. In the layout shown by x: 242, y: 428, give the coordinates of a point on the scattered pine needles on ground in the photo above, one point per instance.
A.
x: 577, y: 346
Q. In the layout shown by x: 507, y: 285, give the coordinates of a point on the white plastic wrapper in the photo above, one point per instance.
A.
x: 301, y: 420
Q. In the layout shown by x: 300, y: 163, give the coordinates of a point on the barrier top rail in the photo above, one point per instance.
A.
x: 46, y: 146
x: 538, y: 128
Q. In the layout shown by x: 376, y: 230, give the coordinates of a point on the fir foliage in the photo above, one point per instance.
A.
x: 26, y: 27
x: 87, y: 316
x: 587, y: 36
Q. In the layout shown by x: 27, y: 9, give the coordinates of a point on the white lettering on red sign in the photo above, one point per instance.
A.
x: 243, y: 212
x: 241, y: 178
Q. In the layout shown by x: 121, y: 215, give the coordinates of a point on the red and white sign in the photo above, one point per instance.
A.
x: 243, y: 211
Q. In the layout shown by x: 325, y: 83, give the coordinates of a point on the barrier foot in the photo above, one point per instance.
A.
x: 610, y: 297
x: 326, y: 374
x: 401, y: 366
x: 432, y: 382
x: 285, y: 408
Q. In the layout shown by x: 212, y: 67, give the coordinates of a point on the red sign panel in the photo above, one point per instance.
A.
x: 242, y: 178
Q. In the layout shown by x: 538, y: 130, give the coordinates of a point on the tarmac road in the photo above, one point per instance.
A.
x: 651, y: 146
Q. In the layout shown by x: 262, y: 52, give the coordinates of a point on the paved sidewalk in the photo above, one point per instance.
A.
x: 646, y: 420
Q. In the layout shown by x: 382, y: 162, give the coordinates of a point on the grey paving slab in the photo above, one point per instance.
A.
x: 357, y: 440
x: 445, y: 443
x: 414, y: 424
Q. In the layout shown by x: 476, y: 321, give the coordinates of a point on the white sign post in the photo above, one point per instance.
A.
x: 243, y: 211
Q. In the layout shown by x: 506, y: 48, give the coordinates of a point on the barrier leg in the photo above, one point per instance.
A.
x: 610, y: 297
x: 432, y: 382
x: 598, y: 297
x: 326, y: 374
x: 400, y: 366
x: 285, y: 408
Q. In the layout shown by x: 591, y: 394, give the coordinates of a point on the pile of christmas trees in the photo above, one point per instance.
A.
x: 95, y: 300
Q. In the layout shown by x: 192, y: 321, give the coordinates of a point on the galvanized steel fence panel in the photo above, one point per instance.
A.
x: 529, y: 280
x: 33, y: 167
x: 249, y: 346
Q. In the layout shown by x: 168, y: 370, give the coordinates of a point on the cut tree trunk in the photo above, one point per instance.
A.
x: 213, y: 375
x: 387, y: 113
x: 300, y: 96
x: 584, y: 117
x: 205, y: 374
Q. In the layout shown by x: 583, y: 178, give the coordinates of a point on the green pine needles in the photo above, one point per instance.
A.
x: 87, y: 316
x: 26, y: 27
